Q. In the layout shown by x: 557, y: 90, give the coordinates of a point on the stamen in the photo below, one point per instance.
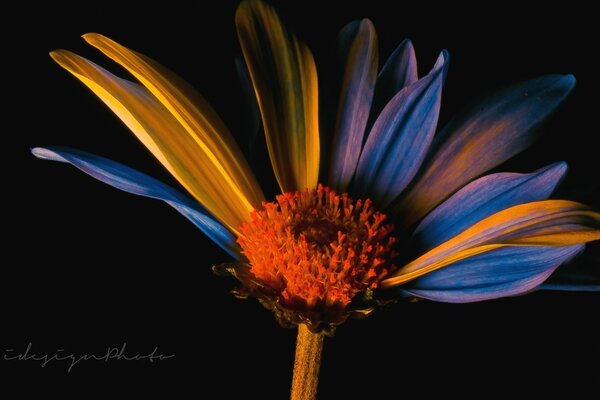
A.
x: 318, y: 249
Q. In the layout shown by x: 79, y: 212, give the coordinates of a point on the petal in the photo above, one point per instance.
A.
x: 541, y: 223
x: 506, y: 271
x: 482, y: 198
x: 398, y: 72
x: 400, y: 137
x: 359, y: 48
x: 196, y: 164
x: 190, y: 109
x: 485, y: 136
x: 285, y: 81
x: 135, y: 182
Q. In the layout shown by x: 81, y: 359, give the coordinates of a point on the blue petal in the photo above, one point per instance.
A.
x: 400, y: 69
x: 490, y: 133
x: 398, y: 72
x: 132, y: 181
x: 358, y: 43
x: 506, y: 271
x: 482, y: 198
x: 400, y: 138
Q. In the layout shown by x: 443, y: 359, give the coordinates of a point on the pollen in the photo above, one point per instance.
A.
x: 318, y: 249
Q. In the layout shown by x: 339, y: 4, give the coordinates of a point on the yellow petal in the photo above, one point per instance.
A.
x: 284, y: 77
x: 191, y: 110
x: 541, y: 223
x: 193, y: 165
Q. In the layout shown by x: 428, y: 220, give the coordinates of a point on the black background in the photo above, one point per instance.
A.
x: 87, y: 267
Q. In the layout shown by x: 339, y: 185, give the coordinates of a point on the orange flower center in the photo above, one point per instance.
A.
x: 316, y: 248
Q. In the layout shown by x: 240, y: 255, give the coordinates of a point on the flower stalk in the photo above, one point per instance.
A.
x: 309, y: 346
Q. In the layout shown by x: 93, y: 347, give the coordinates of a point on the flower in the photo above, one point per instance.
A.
x: 396, y: 210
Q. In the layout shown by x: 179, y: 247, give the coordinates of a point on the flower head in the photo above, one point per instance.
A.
x: 315, y: 251
x: 409, y: 213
